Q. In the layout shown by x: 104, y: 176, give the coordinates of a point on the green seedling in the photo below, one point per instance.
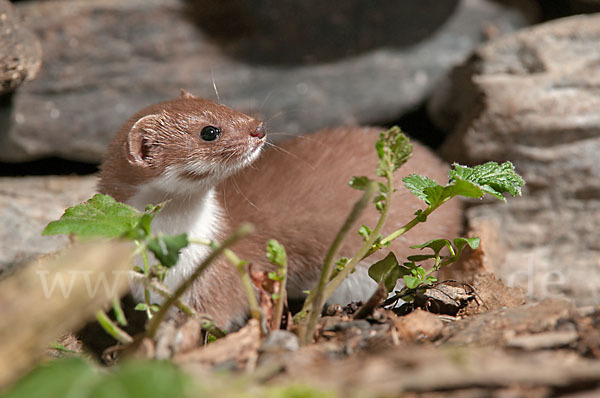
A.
x: 393, y: 150
x: 103, y: 217
x: 278, y: 257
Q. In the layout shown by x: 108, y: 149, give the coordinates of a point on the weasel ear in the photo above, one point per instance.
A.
x: 185, y: 94
x: 140, y: 139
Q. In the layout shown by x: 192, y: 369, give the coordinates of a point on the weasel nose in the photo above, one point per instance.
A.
x: 260, y: 131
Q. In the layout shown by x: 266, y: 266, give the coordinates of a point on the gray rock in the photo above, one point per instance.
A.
x: 533, y: 98
x: 106, y: 59
x: 27, y: 205
x: 279, y: 340
x: 20, y: 51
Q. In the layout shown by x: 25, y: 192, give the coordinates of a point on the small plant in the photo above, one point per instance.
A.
x: 278, y: 257
x: 102, y: 216
x: 394, y: 149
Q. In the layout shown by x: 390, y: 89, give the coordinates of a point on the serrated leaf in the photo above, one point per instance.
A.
x: 100, y: 216
x: 460, y: 187
x: 434, y: 195
x: 360, y: 183
x: 276, y: 253
x: 393, y: 149
x: 166, y: 248
x: 386, y: 271
x: 418, y: 185
x: 491, y: 177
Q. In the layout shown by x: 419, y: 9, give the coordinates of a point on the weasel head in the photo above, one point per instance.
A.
x: 180, y: 146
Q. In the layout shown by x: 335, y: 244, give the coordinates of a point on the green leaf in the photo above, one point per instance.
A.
x: 393, y: 149
x: 100, y: 216
x: 65, y: 378
x: 341, y: 263
x: 491, y: 177
x: 360, y: 183
x: 423, y: 188
x: 141, y: 307
x: 276, y: 253
x: 148, y: 379
x: 460, y: 187
x: 420, y: 257
x: 436, y: 245
x: 166, y: 248
x: 412, y: 282
x: 386, y: 271
x: 365, y: 232
x: 119, y: 314
x: 461, y: 242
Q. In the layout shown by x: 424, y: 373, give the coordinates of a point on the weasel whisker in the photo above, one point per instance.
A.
x: 262, y: 104
x: 238, y: 189
x: 212, y: 75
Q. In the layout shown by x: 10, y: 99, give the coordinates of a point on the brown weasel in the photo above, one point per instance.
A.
x: 194, y: 152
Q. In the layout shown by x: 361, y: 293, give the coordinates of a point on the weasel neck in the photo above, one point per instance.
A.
x: 196, y: 213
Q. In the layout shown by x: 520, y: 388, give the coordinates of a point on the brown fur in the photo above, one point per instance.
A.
x: 298, y: 195
x: 167, y: 134
x: 301, y: 197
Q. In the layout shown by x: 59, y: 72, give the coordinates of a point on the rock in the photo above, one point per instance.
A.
x: 106, y: 59
x: 545, y: 340
x: 532, y: 98
x: 20, y: 51
x: 27, y: 205
x: 279, y: 340
x: 443, y: 298
x: 551, y: 246
x: 419, y: 325
x: 491, y: 327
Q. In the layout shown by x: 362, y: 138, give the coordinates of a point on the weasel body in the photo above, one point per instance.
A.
x: 298, y: 195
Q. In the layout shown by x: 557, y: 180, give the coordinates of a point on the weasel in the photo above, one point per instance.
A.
x: 195, y: 153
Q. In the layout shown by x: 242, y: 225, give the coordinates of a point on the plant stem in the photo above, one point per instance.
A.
x: 205, y: 321
x: 238, y: 234
x: 404, y: 229
x: 162, y: 291
x: 147, y: 275
x: 118, y: 310
x: 242, y: 271
x: 111, y: 328
x: 337, y: 281
x: 318, y: 298
x: 199, y: 241
x: 278, y: 313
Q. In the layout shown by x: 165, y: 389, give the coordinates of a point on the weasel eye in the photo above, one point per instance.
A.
x: 210, y: 133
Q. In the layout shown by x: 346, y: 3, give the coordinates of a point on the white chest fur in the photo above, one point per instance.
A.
x: 196, y: 212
